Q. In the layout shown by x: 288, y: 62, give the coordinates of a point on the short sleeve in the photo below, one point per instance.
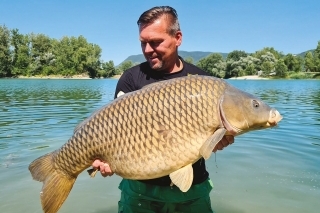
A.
x: 125, y: 84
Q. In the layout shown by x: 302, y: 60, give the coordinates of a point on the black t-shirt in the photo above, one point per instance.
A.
x: 137, y: 77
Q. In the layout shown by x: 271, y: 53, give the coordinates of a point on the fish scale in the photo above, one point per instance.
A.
x: 159, y: 130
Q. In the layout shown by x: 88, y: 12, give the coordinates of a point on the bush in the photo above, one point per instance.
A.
x: 300, y: 75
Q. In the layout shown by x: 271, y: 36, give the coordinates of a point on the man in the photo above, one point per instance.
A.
x: 160, y: 37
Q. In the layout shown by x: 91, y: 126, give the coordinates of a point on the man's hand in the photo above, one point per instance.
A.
x: 103, y: 167
x: 224, y: 142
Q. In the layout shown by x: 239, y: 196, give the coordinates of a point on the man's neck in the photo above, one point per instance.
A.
x: 178, y: 66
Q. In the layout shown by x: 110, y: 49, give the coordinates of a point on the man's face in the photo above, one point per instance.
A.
x: 159, y: 48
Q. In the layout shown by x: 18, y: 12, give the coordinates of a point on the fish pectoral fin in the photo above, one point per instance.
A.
x: 183, y: 177
x: 211, y: 142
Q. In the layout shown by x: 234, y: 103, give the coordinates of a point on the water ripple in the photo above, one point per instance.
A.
x: 281, y: 164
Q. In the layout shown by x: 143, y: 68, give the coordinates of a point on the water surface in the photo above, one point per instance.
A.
x: 273, y: 170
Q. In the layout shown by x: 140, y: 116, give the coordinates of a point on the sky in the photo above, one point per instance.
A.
x: 289, y: 26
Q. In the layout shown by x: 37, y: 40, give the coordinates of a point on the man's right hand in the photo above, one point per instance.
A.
x: 224, y: 142
x: 103, y: 167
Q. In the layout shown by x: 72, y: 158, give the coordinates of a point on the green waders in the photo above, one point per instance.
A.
x: 138, y: 197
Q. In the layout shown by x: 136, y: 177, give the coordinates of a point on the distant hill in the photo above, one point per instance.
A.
x: 304, y: 53
x: 196, y: 55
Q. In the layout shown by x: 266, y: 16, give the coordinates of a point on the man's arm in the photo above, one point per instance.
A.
x: 125, y: 84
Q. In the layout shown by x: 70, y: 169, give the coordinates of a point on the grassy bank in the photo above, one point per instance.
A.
x: 300, y: 75
x: 55, y: 77
x: 291, y: 75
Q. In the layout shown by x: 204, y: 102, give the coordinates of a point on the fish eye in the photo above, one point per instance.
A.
x: 255, y: 104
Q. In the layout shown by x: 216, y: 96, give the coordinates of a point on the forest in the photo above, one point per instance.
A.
x: 39, y: 55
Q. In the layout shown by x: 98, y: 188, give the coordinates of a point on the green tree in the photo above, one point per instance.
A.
x: 75, y: 56
x: 277, y: 55
x: 317, y: 57
x: 293, y: 63
x: 317, y: 50
x: 124, y: 66
x: 219, y: 69
x: 281, y: 68
x: 235, y: 68
x: 93, y: 64
x: 211, y: 63
x: 267, y: 67
x: 108, y: 70
x: 41, y: 54
x: 5, y: 52
x: 85, y: 56
x: 310, y: 62
x: 64, y: 57
x: 21, y: 54
x: 267, y: 62
x: 80, y: 53
x: 250, y: 65
x: 236, y: 55
x: 238, y: 63
x: 38, y: 54
x: 189, y: 60
x: 244, y: 66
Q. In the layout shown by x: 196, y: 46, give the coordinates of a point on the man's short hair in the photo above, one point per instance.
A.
x: 149, y: 16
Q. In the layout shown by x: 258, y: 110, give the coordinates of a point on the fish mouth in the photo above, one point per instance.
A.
x: 274, y: 118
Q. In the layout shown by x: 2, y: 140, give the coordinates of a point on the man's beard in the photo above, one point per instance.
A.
x: 158, y: 66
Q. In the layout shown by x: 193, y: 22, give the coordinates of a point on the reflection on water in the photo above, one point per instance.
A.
x: 274, y: 170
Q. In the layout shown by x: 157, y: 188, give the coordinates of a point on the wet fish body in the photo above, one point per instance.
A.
x: 159, y: 130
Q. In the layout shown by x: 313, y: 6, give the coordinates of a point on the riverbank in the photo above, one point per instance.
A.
x: 249, y: 77
x: 55, y: 77
x: 61, y: 77
x: 115, y: 77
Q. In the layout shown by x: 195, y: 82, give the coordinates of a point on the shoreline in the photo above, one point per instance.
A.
x: 62, y: 77
x: 115, y: 77
x: 249, y: 77
x: 54, y: 77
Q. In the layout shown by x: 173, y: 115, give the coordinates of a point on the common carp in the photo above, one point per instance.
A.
x: 161, y: 129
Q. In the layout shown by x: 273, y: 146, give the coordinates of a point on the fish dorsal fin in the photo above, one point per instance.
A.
x: 183, y: 177
x: 211, y: 142
x: 81, y: 124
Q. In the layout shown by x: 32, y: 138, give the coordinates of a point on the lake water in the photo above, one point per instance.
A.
x: 273, y: 170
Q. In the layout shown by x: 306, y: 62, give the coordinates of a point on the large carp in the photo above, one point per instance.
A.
x: 159, y: 130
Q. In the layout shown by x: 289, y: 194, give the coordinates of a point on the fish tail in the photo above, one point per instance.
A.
x: 56, y: 185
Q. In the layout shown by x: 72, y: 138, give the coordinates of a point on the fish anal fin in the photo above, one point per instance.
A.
x: 211, y: 142
x: 56, y: 185
x: 183, y: 177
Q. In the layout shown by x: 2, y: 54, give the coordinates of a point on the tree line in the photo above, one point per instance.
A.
x: 39, y: 55
x: 266, y: 62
